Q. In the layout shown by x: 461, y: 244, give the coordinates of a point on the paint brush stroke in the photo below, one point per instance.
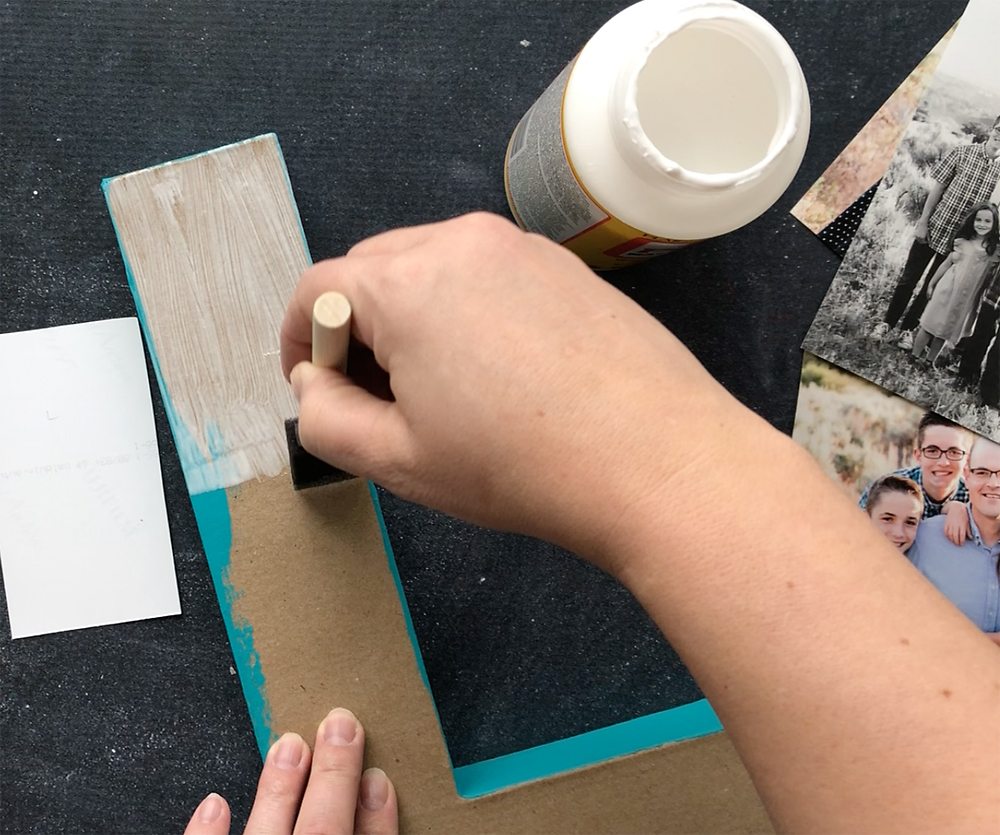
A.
x: 211, y: 511
x: 215, y: 247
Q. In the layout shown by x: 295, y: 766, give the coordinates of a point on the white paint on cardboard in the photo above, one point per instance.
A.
x: 215, y: 248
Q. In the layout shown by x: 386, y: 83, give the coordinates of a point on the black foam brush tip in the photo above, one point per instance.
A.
x: 307, y: 470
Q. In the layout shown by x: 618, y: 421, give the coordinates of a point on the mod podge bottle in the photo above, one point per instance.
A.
x: 677, y: 121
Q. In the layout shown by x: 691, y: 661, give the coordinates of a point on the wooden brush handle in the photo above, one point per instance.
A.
x: 331, y: 331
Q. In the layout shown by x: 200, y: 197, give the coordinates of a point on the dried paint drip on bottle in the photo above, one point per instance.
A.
x: 678, y: 121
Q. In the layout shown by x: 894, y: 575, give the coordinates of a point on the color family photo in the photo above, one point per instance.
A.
x: 929, y: 485
x: 913, y: 306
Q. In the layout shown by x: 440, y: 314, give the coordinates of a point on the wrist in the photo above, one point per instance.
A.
x: 691, y: 491
x: 734, y: 507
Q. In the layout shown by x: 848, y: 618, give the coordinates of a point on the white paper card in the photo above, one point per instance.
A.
x: 84, y: 539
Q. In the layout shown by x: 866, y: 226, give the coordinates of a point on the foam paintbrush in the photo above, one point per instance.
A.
x: 331, y: 337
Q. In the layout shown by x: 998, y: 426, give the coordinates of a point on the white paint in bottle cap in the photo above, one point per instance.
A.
x: 678, y: 121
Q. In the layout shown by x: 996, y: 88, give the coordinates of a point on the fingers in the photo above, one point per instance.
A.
x: 323, y: 793
x: 377, y: 812
x: 210, y: 818
x: 331, y: 798
x: 353, y: 275
x: 296, y: 326
x: 280, y: 788
x: 344, y: 276
x: 348, y: 427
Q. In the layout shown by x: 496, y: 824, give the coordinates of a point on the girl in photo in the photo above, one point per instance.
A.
x: 956, y: 288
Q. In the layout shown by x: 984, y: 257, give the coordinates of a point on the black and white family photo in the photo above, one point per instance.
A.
x: 929, y: 485
x: 914, y: 305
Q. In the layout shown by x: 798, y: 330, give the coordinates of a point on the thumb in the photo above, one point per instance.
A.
x: 347, y: 426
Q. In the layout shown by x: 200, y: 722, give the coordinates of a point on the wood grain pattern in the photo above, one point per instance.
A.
x: 331, y: 331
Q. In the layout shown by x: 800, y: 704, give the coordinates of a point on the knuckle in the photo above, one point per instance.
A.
x: 407, y: 268
x: 482, y: 238
x: 342, y: 766
x: 485, y: 224
x: 313, y: 827
x: 365, y: 245
x: 317, y: 277
x: 280, y: 789
x: 402, y: 277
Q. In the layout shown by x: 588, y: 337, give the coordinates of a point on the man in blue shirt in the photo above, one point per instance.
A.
x: 967, y: 574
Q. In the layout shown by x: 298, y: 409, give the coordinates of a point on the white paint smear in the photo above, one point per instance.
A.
x: 215, y: 249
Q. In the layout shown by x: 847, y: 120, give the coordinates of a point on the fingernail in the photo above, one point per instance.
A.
x: 300, y: 376
x: 210, y: 808
x: 340, y: 727
x: 374, y: 789
x: 288, y: 751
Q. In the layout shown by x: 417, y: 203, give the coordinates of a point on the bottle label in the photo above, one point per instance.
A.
x: 546, y: 197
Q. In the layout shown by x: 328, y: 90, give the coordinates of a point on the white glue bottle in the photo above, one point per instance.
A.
x: 678, y: 121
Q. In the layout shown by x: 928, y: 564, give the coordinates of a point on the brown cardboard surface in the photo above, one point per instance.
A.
x: 310, y: 574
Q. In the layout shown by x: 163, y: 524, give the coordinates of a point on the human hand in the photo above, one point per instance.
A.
x: 321, y: 792
x: 956, y: 523
x: 529, y: 394
x: 920, y: 232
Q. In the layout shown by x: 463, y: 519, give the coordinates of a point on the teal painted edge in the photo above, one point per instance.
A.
x: 394, y: 570
x: 685, y: 722
x: 211, y: 510
x: 679, y: 723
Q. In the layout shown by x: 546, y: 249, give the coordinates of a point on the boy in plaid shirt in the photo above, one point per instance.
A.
x: 940, y: 453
